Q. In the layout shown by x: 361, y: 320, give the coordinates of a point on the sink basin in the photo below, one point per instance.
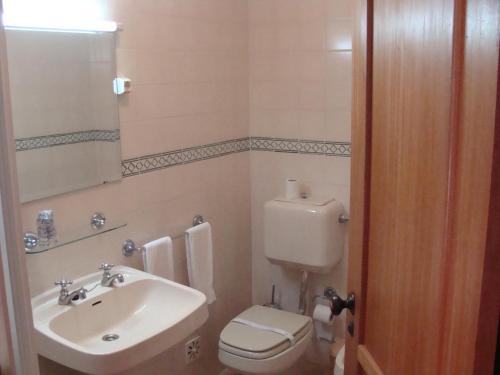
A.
x: 116, y: 328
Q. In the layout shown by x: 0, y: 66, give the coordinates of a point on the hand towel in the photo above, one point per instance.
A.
x: 200, y: 259
x: 158, y: 258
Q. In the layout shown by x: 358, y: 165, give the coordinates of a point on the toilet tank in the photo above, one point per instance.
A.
x: 304, y: 233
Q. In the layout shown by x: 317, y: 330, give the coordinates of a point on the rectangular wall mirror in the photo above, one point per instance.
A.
x: 64, y: 110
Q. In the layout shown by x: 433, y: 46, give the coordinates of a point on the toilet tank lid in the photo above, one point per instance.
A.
x: 314, y: 200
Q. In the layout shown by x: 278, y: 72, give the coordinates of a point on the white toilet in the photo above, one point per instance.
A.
x: 252, y: 350
x: 299, y: 233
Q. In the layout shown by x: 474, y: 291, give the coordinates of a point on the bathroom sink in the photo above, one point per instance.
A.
x: 116, y: 328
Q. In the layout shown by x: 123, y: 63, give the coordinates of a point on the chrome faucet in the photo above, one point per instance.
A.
x: 107, y: 278
x: 65, y: 296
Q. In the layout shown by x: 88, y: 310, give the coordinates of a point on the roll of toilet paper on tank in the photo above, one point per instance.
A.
x: 323, y: 314
x: 291, y: 188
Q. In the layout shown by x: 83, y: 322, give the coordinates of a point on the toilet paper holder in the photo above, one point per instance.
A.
x: 338, y: 304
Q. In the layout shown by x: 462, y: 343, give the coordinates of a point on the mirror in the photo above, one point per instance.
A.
x: 64, y: 110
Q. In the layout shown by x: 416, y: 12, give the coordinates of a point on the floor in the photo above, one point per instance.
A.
x: 303, y: 367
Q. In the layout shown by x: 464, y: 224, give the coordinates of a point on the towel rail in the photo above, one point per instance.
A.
x: 129, y: 246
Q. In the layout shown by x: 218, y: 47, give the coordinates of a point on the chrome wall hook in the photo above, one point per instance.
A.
x: 129, y: 247
x: 197, y: 220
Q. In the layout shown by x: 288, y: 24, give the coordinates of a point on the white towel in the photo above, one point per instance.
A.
x: 158, y: 258
x: 200, y: 259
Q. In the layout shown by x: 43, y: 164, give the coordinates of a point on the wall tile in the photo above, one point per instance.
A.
x: 260, y: 12
x: 339, y: 9
x: 312, y: 125
x: 339, y: 34
x: 287, y: 36
x: 339, y: 80
x: 312, y: 10
x: 312, y: 35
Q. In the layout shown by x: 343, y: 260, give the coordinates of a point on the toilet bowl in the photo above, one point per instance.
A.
x: 264, y: 340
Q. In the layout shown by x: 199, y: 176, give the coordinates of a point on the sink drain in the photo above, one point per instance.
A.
x: 110, y: 337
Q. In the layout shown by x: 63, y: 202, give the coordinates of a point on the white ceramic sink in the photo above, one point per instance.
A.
x: 148, y: 313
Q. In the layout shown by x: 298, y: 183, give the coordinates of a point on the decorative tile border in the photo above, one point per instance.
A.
x: 150, y: 163
x: 274, y: 144
x: 32, y: 143
x: 301, y: 146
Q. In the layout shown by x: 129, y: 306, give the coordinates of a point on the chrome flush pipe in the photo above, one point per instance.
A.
x: 304, y: 284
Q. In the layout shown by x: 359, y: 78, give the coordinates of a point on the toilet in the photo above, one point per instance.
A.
x: 248, y: 345
x: 301, y: 233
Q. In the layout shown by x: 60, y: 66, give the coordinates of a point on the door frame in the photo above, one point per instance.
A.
x: 485, y: 349
x: 362, y: 57
x: 17, y: 354
x: 482, y: 41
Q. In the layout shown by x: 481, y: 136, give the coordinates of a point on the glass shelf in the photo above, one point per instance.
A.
x: 77, y: 235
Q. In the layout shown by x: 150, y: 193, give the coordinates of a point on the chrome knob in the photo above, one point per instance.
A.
x: 97, y: 221
x: 30, y: 241
x: 63, y: 283
x: 106, y: 267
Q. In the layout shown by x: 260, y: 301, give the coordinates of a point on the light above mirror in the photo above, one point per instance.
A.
x: 27, y: 23
x: 57, y: 15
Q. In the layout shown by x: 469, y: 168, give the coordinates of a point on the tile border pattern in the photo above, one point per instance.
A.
x: 154, y: 162
x: 60, y: 139
x: 150, y: 163
x: 300, y: 146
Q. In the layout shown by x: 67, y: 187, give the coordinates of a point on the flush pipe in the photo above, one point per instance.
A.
x: 304, y: 283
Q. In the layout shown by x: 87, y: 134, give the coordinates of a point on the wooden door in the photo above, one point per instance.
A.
x: 424, y: 201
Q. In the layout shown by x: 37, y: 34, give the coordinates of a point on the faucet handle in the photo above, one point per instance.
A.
x: 82, y: 293
x: 106, y: 267
x: 63, y: 283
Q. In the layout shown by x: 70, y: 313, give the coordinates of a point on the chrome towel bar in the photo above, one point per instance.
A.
x: 129, y: 246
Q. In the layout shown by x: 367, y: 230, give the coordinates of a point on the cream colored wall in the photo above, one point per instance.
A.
x: 300, y: 88
x: 187, y: 61
x: 203, y: 72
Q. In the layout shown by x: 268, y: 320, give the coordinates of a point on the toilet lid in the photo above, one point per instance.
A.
x: 245, y: 338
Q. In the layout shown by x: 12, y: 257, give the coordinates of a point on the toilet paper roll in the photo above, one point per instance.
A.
x: 323, y: 331
x: 292, y: 188
x: 323, y: 314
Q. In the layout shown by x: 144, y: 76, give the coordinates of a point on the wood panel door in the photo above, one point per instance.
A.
x: 424, y: 198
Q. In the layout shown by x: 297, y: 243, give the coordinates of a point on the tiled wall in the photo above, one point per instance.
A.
x: 270, y: 75
x: 187, y: 61
x: 300, y: 89
x: 192, y: 90
x: 300, y: 68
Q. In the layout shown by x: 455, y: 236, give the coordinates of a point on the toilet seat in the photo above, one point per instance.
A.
x: 246, y: 347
